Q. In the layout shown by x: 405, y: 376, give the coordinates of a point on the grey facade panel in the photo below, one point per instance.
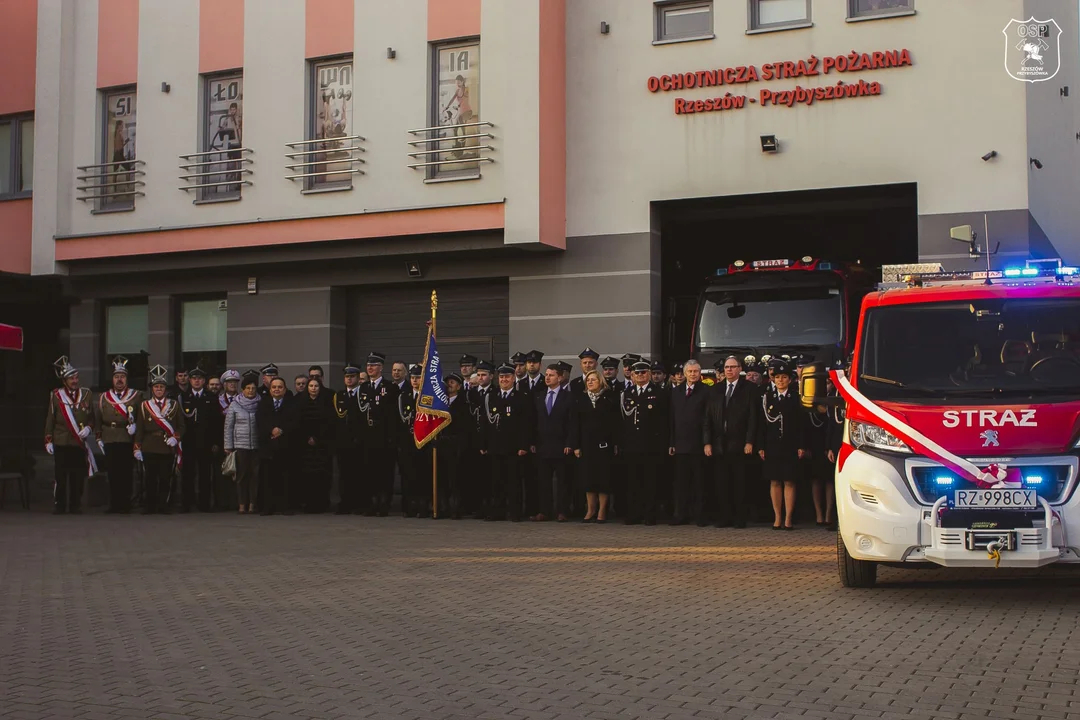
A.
x: 472, y: 317
x: 306, y: 307
x: 577, y: 294
x: 1009, y: 227
x: 566, y: 337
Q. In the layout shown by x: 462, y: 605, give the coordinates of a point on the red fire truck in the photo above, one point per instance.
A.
x: 807, y: 306
x: 961, y: 443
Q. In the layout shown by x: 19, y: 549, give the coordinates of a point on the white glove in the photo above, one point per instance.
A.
x: 171, y: 442
x: 138, y: 455
x: 49, y: 448
x: 131, y: 429
x: 85, y: 432
x: 101, y: 445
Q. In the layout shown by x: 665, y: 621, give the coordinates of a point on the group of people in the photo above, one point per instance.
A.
x: 524, y: 441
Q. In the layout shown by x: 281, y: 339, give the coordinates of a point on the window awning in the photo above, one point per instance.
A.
x: 11, y: 337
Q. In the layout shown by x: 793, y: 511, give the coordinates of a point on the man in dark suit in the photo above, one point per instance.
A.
x: 276, y: 424
x: 731, y: 426
x: 202, y: 419
x: 533, y: 379
x: 378, y: 405
x: 645, y: 434
x: 554, y: 430
x: 507, y: 427
x: 588, y: 358
x: 688, y: 403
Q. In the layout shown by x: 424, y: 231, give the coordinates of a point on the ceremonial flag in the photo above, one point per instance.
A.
x: 433, y: 409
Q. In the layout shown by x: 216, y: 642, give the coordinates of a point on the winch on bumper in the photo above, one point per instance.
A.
x: 884, y: 519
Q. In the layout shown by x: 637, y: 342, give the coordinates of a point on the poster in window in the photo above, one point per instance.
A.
x: 224, y: 136
x: 458, y: 103
x: 119, y: 148
x: 333, y: 122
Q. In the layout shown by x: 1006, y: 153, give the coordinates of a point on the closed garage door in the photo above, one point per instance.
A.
x: 474, y: 318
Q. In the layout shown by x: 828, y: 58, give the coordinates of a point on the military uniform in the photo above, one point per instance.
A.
x: 349, y: 441
x: 415, y: 463
x: 378, y: 403
x: 478, y: 467
x: 451, y: 443
x: 116, y: 427
x: 69, y: 426
x: 505, y: 437
x: 159, y: 432
x: 644, y: 442
x: 205, y: 430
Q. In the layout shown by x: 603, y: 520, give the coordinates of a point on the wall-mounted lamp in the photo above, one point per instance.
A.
x: 253, y: 286
x: 769, y: 143
x: 165, y: 87
x: 1065, y: 91
x: 989, y: 156
x: 413, y: 268
x: 605, y: 28
x: 391, y: 53
x: 1036, y: 163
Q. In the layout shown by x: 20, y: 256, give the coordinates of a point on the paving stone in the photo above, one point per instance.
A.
x: 220, y: 617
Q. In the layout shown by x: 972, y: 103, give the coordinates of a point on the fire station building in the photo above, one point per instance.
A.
x: 232, y: 183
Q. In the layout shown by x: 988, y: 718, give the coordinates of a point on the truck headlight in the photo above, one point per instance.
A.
x: 865, y: 434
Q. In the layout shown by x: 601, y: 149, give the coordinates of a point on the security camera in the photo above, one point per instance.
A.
x: 990, y: 155
x: 1036, y: 163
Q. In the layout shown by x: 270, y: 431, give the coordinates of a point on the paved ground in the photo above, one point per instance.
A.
x: 221, y: 616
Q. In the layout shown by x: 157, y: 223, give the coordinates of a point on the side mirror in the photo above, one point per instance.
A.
x: 962, y: 233
x: 814, y: 387
x: 736, y: 311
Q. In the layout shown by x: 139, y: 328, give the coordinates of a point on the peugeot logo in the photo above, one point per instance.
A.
x: 989, y: 438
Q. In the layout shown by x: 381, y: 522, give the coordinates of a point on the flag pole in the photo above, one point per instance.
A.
x: 434, y: 450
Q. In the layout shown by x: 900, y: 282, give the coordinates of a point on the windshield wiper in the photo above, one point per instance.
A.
x: 896, y: 383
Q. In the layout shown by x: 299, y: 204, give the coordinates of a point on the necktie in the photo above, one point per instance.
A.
x: 550, y: 400
x: 689, y: 389
x: 505, y: 395
x: 730, y: 390
x: 277, y: 404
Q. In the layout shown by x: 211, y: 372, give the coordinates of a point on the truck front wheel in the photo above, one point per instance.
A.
x: 854, y: 573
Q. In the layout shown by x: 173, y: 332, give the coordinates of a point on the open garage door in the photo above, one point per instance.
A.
x: 875, y: 225
x: 474, y: 318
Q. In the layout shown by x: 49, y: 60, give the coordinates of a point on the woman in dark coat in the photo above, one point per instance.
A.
x: 598, y: 431
x: 782, y: 443
x: 315, y: 429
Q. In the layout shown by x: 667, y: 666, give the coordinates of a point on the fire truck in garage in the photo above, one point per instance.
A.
x: 961, y: 442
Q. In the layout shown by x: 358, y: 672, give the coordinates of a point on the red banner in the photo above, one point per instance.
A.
x: 11, y: 337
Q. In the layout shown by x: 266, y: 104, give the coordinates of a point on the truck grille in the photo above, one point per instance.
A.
x: 1050, y: 482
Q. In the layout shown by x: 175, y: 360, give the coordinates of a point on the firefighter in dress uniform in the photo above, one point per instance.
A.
x: 378, y: 405
x: 644, y: 441
x: 69, y: 426
x: 205, y: 436
x: 349, y: 440
x: 415, y: 463
x: 116, y: 432
x: 478, y: 468
x: 782, y: 443
x: 505, y: 441
x: 451, y: 443
x: 531, y: 382
x: 159, y: 431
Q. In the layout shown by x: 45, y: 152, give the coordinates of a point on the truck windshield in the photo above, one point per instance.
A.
x: 771, y: 317
x: 986, y: 348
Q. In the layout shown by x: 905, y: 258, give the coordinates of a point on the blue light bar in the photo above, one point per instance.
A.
x: 1033, y: 479
x: 1011, y: 272
x: 1068, y: 270
x: 943, y: 480
x: 721, y: 271
x: 1029, y: 272
x: 825, y: 266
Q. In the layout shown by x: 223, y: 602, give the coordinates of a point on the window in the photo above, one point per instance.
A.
x: 860, y: 9
x: 127, y: 333
x: 203, y: 329
x: 331, y: 120
x: 16, y: 156
x: 677, y: 21
x: 779, y: 14
x: 118, y: 150
x: 222, y: 163
x: 456, y: 110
